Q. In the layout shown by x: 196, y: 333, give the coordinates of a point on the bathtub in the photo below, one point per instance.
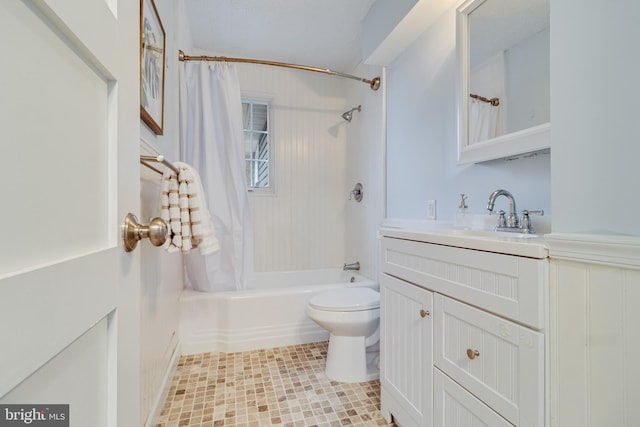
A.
x: 271, y: 315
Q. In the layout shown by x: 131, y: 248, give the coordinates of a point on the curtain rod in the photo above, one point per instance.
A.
x: 493, y: 101
x: 373, y: 83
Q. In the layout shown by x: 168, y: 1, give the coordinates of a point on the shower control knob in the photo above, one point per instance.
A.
x: 132, y: 232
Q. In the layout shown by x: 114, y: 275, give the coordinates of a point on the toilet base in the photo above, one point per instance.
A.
x: 349, y: 361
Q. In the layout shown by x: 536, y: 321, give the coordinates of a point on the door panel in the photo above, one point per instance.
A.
x: 84, y: 363
x: 56, y: 305
x: 69, y: 132
x: 56, y: 133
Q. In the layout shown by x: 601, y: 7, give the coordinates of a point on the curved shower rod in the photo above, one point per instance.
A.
x: 374, y: 83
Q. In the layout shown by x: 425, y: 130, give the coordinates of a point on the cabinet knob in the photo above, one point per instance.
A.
x: 424, y: 313
x: 472, y: 354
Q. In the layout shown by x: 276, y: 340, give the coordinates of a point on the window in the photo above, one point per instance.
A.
x: 255, y: 116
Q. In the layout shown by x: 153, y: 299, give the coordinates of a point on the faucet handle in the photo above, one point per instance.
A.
x: 502, y: 221
x: 526, y: 221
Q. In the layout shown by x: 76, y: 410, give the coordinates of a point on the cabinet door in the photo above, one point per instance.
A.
x: 500, y: 362
x: 453, y: 406
x: 406, y: 336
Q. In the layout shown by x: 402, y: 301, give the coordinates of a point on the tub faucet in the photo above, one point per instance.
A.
x: 511, y: 221
x: 353, y: 266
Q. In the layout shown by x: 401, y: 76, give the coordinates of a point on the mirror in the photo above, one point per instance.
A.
x: 503, y: 72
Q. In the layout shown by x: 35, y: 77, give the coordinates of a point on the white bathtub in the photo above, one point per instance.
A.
x: 272, y: 315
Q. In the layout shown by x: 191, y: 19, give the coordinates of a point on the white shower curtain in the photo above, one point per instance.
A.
x: 483, y: 121
x: 211, y: 139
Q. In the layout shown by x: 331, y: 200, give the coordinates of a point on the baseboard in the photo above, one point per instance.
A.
x: 235, y: 340
x: 163, y: 392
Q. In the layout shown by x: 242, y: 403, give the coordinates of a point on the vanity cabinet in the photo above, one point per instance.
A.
x: 479, y: 354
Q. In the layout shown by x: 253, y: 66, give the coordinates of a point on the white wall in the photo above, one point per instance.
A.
x: 302, y: 225
x: 365, y: 164
x: 381, y: 20
x: 595, y: 151
x: 422, y: 140
x: 595, y: 107
x: 162, y: 279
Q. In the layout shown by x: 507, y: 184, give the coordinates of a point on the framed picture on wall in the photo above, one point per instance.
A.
x: 152, y: 46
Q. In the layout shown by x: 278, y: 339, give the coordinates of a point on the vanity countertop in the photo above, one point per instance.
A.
x: 526, y: 245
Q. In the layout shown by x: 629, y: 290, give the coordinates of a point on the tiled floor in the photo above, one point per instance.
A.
x: 283, y: 386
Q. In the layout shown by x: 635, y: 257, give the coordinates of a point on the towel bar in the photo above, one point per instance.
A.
x: 158, y: 159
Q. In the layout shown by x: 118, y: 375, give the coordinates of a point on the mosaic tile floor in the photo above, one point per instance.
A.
x: 284, y: 386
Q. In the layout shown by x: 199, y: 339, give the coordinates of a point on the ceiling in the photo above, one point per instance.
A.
x: 320, y: 33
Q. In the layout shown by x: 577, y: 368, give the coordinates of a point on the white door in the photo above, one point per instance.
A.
x: 69, y: 141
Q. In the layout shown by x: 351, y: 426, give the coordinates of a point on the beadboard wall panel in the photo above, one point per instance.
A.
x: 594, y: 316
x: 161, y: 283
x: 302, y: 224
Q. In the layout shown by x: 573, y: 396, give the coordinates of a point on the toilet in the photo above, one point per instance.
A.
x: 352, y: 317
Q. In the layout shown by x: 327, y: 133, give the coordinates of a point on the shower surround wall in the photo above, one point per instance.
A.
x: 365, y: 164
x: 302, y: 225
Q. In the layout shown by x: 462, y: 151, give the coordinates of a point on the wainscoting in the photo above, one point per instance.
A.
x: 594, y: 340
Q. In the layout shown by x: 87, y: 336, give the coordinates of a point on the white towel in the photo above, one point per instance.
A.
x: 170, y: 211
x: 183, y: 205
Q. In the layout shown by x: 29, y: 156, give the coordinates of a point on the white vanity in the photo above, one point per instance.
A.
x: 463, y: 327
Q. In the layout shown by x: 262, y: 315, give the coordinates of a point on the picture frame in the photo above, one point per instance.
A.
x: 152, y: 63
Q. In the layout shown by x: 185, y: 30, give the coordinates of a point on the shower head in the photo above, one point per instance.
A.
x: 348, y: 115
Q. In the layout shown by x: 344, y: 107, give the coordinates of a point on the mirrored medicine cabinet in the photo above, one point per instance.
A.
x: 503, y: 78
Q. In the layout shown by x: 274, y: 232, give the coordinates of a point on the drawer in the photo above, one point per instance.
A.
x: 498, y: 361
x: 508, y: 285
x: 453, y: 406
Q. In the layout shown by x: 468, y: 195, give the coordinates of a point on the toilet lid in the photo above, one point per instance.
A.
x: 346, y: 299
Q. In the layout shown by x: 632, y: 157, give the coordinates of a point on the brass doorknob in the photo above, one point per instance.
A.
x: 132, y: 232
x: 424, y: 313
x: 472, y: 354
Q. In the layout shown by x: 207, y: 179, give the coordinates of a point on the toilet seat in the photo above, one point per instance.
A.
x: 346, y: 299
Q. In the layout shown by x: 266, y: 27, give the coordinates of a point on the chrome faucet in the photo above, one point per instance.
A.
x: 353, y: 266
x: 511, y: 222
x: 512, y: 219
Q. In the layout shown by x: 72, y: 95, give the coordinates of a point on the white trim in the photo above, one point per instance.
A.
x: 621, y: 251
x: 268, y: 99
x: 234, y: 340
x: 147, y: 146
x: 163, y: 393
x: 533, y: 139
